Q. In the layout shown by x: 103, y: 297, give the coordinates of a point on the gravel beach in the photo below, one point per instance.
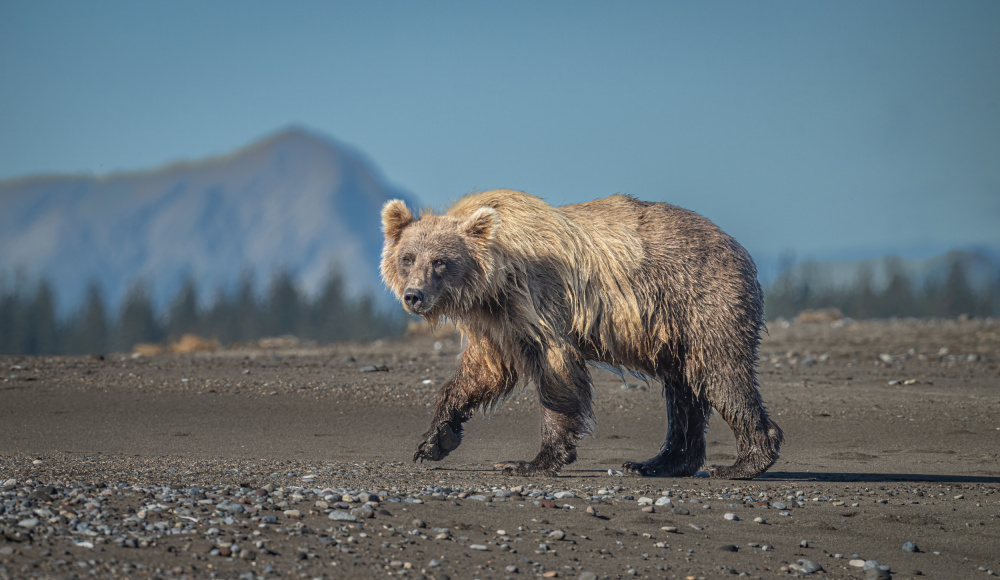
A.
x: 294, y: 462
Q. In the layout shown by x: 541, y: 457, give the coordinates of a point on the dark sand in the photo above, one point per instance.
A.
x: 875, y: 465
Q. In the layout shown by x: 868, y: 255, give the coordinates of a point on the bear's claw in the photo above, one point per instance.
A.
x: 438, y: 442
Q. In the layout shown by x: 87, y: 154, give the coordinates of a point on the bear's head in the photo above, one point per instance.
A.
x: 437, y: 264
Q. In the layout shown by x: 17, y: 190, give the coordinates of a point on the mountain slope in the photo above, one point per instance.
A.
x: 294, y: 200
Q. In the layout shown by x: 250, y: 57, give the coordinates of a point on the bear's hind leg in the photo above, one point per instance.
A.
x: 566, y: 394
x: 683, y: 452
x: 758, y: 438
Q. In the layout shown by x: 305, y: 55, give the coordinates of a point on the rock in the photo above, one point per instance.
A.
x: 591, y: 510
x: 29, y: 523
x: 564, y: 495
x: 648, y: 509
x: 479, y: 547
x: 731, y: 517
x: 805, y: 566
x: 910, y: 547
x: 419, y: 523
x: 363, y: 512
x: 374, y: 369
x: 511, y: 569
x: 682, y: 511
x: 857, y: 563
x: 729, y: 548
x: 877, y: 574
x: 557, y: 535
x: 342, y: 516
x: 292, y: 514
x: 804, y: 544
x: 645, y: 501
x: 779, y: 505
x: 586, y: 575
x: 662, y: 501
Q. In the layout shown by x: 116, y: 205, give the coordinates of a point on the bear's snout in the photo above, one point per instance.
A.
x: 414, y: 299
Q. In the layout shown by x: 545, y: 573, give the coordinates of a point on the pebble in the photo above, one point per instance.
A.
x: 648, y: 509
x: 645, y: 501
x: 29, y: 523
x: 877, y: 574
x: 729, y: 548
x: 731, y: 517
x: 683, y: 511
x: 511, y: 569
x: 341, y: 516
x: 591, y: 510
x: 805, y: 566
x: 662, y: 501
x: 760, y: 520
x: 910, y: 547
x: 557, y: 535
x: 479, y: 547
x: 586, y: 575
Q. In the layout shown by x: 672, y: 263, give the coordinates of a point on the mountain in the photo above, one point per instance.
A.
x: 295, y: 201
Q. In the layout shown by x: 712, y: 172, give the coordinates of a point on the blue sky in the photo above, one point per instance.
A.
x: 823, y: 128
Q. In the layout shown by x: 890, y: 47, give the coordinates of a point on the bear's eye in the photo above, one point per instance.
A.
x: 407, y: 261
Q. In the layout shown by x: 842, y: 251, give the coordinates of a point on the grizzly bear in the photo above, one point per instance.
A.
x: 541, y: 291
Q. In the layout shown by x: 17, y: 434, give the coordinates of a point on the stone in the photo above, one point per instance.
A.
x: 29, y: 523
x: 342, y: 516
x: 587, y: 575
x: 479, y: 547
x: 557, y: 535
x: 910, y: 547
x: 729, y: 548
x: 805, y: 566
x: 682, y: 511
x: 731, y: 517
x: 877, y: 574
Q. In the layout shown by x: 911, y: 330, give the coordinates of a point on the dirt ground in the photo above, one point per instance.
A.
x: 252, y: 462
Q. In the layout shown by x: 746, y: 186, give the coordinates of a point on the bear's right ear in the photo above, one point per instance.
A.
x: 395, y: 217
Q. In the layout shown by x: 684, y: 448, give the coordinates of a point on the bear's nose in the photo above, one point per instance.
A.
x: 413, y: 297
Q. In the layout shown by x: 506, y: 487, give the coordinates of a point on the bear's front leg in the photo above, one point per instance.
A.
x: 480, y: 380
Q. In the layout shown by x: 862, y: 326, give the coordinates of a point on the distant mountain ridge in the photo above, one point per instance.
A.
x: 295, y: 200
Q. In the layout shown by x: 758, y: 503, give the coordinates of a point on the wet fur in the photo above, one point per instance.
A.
x: 541, y: 290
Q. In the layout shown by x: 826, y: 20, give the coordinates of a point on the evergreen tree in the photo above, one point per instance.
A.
x: 183, y: 316
x: 329, y: 314
x: 897, y: 299
x: 284, y: 306
x: 958, y: 296
x: 42, y: 325
x: 137, y: 322
x: 89, y: 332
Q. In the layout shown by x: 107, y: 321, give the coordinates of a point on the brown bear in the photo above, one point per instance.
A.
x: 540, y: 291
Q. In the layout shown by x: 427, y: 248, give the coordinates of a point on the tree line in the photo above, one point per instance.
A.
x: 808, y: 288
x: 29, y: 323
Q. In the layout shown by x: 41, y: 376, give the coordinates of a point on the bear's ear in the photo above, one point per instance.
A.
x: 395, y: 217
x: 482, y: 224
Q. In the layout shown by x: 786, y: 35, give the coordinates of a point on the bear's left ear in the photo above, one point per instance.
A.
x: 395, y: 217
x: 482, y: 224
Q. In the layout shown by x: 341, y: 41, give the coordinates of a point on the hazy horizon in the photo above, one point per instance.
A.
x: 818, y: 128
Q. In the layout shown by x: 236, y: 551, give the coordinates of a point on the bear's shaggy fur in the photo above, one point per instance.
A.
x: 541, y: 291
